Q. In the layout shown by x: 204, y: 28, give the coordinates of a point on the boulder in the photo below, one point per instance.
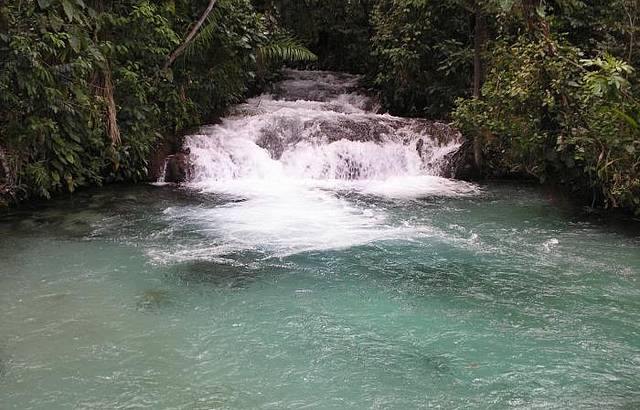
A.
x: 178, y: 168
x: 461, y: 164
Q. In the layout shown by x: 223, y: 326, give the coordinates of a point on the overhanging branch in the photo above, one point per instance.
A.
x: 192, y: 34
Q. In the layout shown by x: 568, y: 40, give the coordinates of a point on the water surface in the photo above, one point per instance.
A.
x: 127, y: 297
x: 317, y: 258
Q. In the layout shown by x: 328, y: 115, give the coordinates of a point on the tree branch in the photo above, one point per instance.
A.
x: 178, y: 51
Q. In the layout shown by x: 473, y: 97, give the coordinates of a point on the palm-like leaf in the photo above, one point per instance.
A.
x: 207, y: 35
x: 282, y: 47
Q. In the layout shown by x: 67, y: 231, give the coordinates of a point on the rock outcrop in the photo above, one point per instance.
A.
x: 178, y: 168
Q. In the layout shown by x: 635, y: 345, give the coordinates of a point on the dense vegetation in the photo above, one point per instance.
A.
x: 544, y: 88
x: 558, y: 102
x: 89, y: 88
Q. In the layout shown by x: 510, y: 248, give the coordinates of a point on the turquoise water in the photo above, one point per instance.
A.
x: 157, y: 297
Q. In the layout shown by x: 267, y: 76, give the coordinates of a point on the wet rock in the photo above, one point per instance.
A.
x: 461, y: 164
x: 328, y: 109
x: 157, y: 159
x: 272, y: 142
x: 178, y: 168
x: 287, y: 131
x: 312, y: 85
x: 164, y: 149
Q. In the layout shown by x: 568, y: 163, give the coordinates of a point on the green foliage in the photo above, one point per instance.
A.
x: 68, y: 66
x: 609, y: 77
x: 336, y: 30
x: 423, y: 55
x: 84, y: 98
x: 284, y: 47
x: 49, y: 122
x: 548, y: 113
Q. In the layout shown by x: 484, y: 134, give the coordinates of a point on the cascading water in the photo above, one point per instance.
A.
x: 295, y: 159
x: 325, y: 266
x: 318, y: 130
x: 162, y: 178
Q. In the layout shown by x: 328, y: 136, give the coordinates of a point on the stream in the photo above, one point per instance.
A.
x: 317, y: 258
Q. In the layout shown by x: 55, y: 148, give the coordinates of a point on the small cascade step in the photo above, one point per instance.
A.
x: 317, y: 125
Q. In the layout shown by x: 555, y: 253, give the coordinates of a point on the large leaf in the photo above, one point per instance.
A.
x: 44, y: 3
x: 282, y: 47
x: 69, y: 9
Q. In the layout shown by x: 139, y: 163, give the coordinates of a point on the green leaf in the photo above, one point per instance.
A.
x: 69, y: 10
x: 627, y: 118
x: 56, y: 22
x: 57, y: 165
x: 74, y: 42
x: 44, y: 3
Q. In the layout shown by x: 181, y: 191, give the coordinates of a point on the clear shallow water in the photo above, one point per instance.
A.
x: 316, y: 259
x: 166, y: 298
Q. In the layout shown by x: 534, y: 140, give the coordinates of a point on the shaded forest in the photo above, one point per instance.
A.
x: 541, y: 89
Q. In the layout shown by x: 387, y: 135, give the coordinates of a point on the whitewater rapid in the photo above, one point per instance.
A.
x: 305, y: 167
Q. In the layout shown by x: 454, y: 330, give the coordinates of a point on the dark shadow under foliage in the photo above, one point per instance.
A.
x: 85, y: 96
x: 543, y: 89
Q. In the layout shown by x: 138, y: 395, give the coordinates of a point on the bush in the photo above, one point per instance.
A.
x: 83, y: 93
x: 549, y: 114
x: 423, y: 56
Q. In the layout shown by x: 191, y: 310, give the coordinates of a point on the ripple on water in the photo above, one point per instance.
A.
x: 278, y: 291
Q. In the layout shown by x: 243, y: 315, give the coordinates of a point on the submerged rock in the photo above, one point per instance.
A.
x: 218, y: 274
x: 439, y: 364
x: 56, y: 222
x: 153, y: 299
x: 4, y: 363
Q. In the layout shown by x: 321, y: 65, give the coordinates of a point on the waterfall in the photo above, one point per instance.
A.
x: 162, y: 178
x: 302, y: 168
x: 316, y: 128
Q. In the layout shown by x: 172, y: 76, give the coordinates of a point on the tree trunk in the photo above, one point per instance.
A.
x: 537, y: 23
x: 192, y: 34
x: 530, y: 12
x: 631, y: 8
x: 479, y: 48
x: 7, y: 186
x: 113, y: 131
x: 102, y: 82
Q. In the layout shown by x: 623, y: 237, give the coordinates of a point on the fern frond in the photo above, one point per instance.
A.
x: 281, y: 48
x: 207, y: 34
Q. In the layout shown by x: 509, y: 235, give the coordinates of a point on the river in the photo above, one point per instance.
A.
x: 316, y: 258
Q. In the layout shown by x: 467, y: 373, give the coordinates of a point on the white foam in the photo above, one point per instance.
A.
x: 286, y: 159
x: 287, y: 220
